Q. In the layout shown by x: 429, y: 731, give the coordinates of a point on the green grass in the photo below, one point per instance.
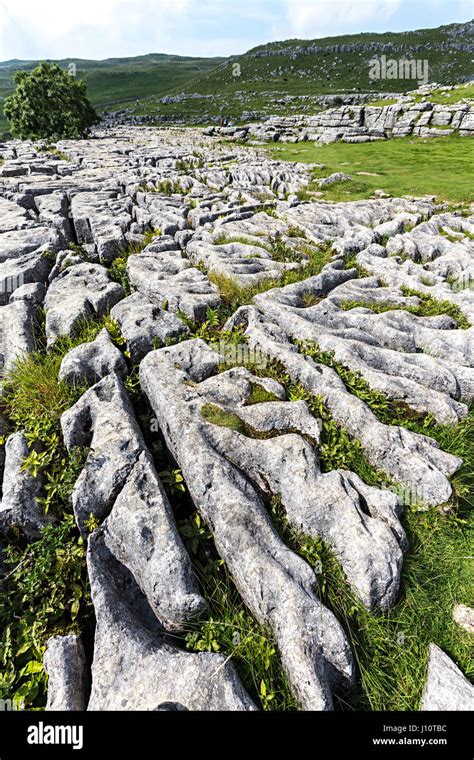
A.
x: 403, y: 166
x: 218, y: 416
x: 119, y: 82
x: 260, y: 395
x: 391, y: 650
x: 229, y: 628
x: 429, y: 307
x: 382, y: 103
x: 45, y: 591
x: 452, y: 96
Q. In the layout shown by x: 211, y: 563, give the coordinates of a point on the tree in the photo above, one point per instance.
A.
x: 49, y: 103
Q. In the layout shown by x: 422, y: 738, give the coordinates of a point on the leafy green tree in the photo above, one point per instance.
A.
x: 49, y: 103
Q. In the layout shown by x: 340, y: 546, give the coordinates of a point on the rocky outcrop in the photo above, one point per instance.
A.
x: 20, y: 511
x: 359, y: 124
x: 78, y: 293
x: 119, y: 482
x: 168, y: 280
x: 136, y: 666
x: 141, y: 533
x: 164, y: 231
x: 89, y: 362
x: 144, y: 325
x: 275, y: 583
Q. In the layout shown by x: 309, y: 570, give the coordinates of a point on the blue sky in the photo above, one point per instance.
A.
x: 106, y: 28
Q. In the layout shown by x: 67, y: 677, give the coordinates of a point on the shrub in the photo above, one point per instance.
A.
x: 48, y: 103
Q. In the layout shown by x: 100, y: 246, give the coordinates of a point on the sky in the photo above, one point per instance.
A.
x: 34, y: 29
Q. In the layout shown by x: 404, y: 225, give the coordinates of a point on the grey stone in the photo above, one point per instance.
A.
x: 145, y: 326
x: 68, y: 679
x: 411, y: 459
x: 18, y: 321
x: 446, y: 688
x: 80, y: 292
x: 30, y: 268
x: 334, y: 179
x: 275, y: 584
x: 19, y: 508
x: 464, y: 616
x: 33, y: 291
x: 168, y: 279
x: 90, y: 362
x: 136, y: 666
x: 102, y: 420
x: 141, y: 533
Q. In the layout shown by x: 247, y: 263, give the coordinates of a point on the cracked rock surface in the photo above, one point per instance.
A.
x: 215, y: 279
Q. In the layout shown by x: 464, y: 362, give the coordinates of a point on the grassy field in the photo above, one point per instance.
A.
x: 444, y: 98
x: 407, y: 166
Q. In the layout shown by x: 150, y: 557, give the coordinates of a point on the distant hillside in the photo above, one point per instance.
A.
x: 282, y: 77
x: 116, y: 82
x: 279, y: 77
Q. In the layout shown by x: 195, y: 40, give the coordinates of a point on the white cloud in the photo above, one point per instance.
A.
x: 53, y: 28
x: 321, y: 18
x: 106, y: 28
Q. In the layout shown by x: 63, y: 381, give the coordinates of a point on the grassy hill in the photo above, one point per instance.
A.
x: 284, y: 77
x: 118, y: 82
x: 280, y: 77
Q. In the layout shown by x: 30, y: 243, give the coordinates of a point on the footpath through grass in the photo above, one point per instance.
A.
x: 440, y: 166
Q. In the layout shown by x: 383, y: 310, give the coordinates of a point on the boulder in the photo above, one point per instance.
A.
x: 90, y: 362
x: 446, y: 688
x: 68, y: 678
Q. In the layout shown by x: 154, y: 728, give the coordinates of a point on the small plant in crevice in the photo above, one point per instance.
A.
x: 118, y: 272
x: 391, y: 649
x: 350, y: 262
x: 118, y: 268
x: 229, y: 628
x: 170, y: 187
x: 186, y: 165
x: 429, y: 307
x: 211, y: 329
x: 79, y: 250
x: 173, y: 480
x: 113, y: 328
x: 44, y: 592
x: 296, y: 232
x: 337, y: 448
